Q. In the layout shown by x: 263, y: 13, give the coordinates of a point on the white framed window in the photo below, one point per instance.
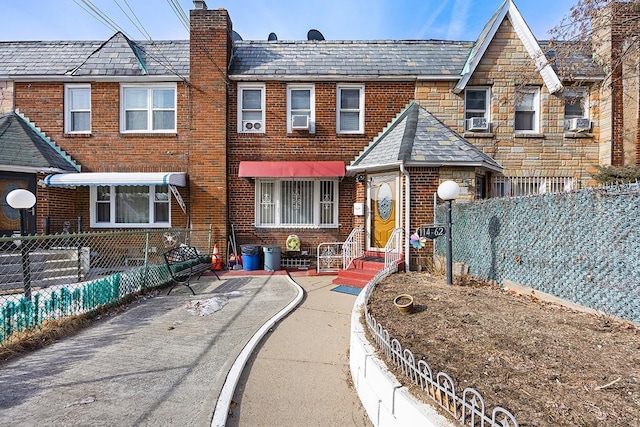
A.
x: 301, y: 102
x: 527, y: 111
x: 77, y: 108
x: 148, y: 108
x: 476, y: 109
x: 576, y: 106
x: 251, y: 110
x: 132, y: 206
x: 350, y: 108
x: 296, y: 203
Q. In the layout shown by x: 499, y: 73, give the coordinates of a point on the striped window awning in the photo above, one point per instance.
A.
x: 116, y: 178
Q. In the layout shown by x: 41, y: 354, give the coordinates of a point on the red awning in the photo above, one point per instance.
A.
x: 291, y: 169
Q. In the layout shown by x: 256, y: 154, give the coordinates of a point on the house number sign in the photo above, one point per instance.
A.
x: 431, y: 232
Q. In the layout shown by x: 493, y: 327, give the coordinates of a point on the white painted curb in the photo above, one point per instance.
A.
x: 221, y: 412
x: 386, y: 401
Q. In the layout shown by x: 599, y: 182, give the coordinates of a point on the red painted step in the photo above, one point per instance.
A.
x: 361, y: 271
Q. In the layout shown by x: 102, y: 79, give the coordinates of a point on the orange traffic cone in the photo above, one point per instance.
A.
x: 216, y: 262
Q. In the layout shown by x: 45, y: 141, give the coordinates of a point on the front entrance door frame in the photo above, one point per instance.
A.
x: 384, y: 184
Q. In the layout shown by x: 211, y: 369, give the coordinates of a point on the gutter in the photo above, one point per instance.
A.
x: 407, y: 184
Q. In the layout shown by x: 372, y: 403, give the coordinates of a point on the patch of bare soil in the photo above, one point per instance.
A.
x: 547, y: 364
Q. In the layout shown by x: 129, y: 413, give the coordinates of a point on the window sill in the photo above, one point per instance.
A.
x: 78, y: 135
x: 148, y: 134
x: 577, y: 135
x: 529, y: 135
x: 295, y: 227
x: 469, y: 134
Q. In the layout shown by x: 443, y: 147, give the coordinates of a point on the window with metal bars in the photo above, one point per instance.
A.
x: 296, y: 203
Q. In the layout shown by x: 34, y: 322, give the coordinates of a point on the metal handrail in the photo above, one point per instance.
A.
x: 352, y: 248
x: 393, y: 248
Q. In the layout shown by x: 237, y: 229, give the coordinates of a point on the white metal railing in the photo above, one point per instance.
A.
x: 504, y: 186
x: 352, y: 248
x: 393, y: 248
x: 334, y: 256
x: 329, y: 257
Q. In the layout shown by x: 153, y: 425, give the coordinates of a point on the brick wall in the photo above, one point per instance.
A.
x: 383, y: 101
x: 106, y: 149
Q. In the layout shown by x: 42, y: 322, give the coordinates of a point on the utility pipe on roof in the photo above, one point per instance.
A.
x: 407, y: 184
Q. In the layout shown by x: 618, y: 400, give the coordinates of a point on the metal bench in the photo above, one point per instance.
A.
x: 183, y: 263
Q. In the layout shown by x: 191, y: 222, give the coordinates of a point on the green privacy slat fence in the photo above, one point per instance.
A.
x: 582, y: 246
x: 76, y: 273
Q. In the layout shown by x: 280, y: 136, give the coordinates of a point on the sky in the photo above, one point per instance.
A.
x: 289, y: 20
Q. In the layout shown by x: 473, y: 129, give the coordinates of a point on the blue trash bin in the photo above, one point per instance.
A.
x: 250, y: 257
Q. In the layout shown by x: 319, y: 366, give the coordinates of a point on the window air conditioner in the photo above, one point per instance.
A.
x: 477, y: 123
x: 251, y: 125
x: 299, y: 121
x: 579, y: 124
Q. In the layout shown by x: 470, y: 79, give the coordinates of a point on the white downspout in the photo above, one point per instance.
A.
x: 407, y: 192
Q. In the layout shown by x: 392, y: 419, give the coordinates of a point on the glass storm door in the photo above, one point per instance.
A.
x: 383, y: 208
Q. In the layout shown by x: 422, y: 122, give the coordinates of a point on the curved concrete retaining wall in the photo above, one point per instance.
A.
x: 386, y: 401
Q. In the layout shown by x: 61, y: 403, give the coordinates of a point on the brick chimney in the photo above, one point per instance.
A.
x: 615, y: 28
x: 210, y: 49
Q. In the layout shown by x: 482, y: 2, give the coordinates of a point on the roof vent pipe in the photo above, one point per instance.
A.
x: 200, y: 4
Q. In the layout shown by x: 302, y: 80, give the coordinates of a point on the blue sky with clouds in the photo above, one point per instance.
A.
x: 290, y: 20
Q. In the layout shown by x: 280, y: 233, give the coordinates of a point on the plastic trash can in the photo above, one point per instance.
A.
x: 272, y: 258
x: 250, y: 257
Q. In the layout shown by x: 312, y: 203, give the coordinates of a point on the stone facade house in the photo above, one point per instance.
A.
x: 309, y: 137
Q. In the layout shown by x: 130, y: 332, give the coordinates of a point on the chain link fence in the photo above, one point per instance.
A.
x: 583, y: 246
x: 46, y: 277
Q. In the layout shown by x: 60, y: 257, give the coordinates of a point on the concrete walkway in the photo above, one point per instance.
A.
x: 165, y: 360
x: 300, y: 374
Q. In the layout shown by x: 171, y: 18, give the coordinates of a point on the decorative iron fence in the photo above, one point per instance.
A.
x: 468, y: 408
x: 45, y: 277
x: 335, y: 256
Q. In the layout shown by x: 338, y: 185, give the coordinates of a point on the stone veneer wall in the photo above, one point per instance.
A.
x: 552, y: 152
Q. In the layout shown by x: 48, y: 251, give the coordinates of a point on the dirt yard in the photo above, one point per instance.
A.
x: 547, y: 364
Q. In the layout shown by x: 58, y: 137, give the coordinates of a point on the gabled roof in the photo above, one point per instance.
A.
x: 24, y: 148
x: 348, y: 59
x: 510, y: 11
x: 116, y: 56
x: 417, y: 138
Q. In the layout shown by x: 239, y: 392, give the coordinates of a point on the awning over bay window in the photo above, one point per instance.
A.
x: 291, y: 169
x: 116, y: 178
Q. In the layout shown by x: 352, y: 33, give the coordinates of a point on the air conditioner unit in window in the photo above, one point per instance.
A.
x: 299, y: 121
x: 579, y: 124
x: 251, y: 125
x: 477, y: 123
